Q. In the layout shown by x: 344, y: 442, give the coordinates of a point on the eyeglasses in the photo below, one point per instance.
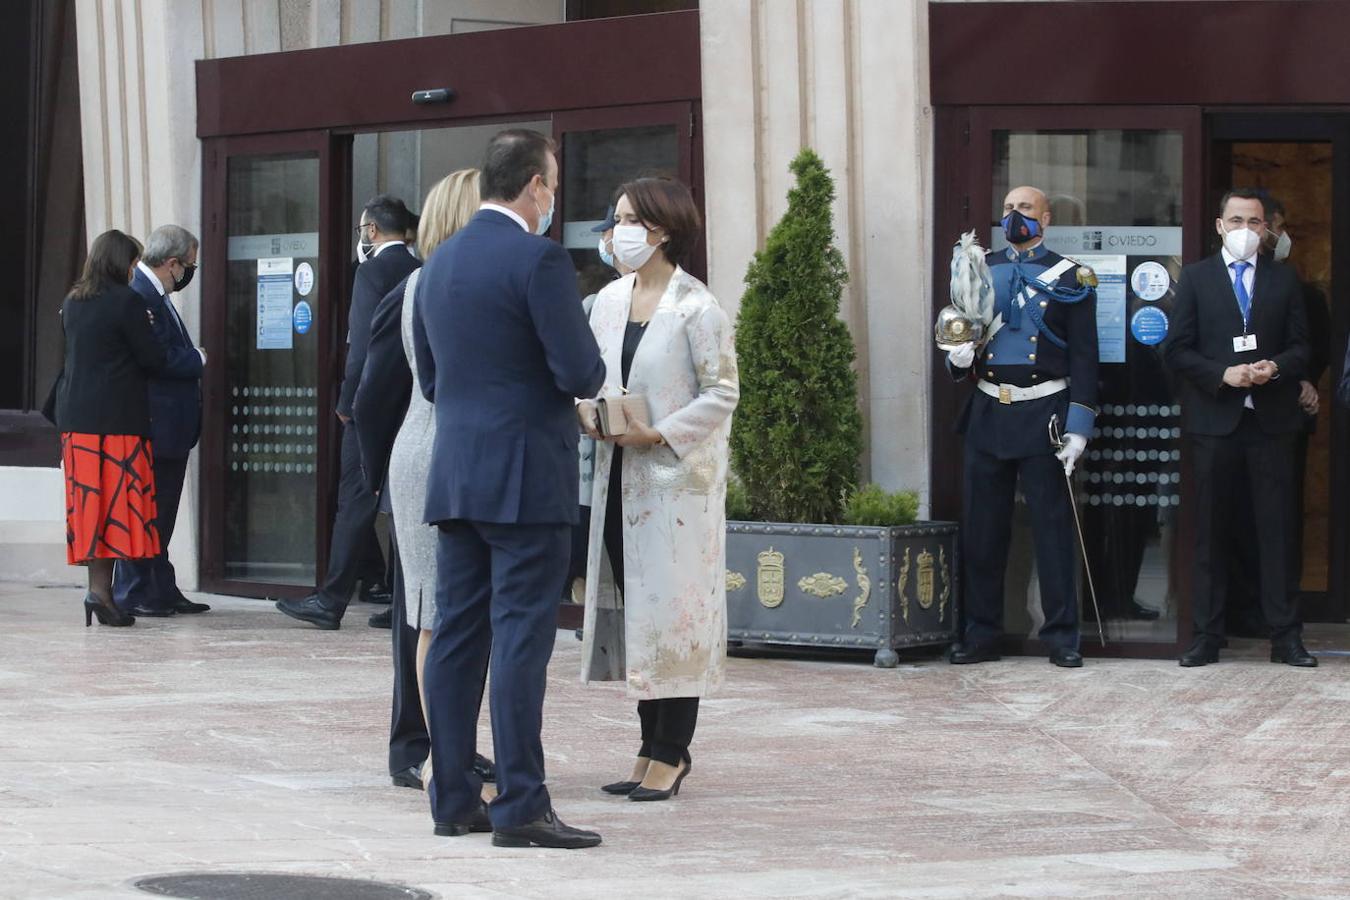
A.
x: 363, y: 225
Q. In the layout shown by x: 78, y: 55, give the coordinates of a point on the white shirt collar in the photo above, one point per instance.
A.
x: 154, y: 279
x: 506, y: 212
x: 1229, y: 259
x: 379, y: 248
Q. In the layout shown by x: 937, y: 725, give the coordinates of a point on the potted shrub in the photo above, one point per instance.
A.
x: 812, y: 559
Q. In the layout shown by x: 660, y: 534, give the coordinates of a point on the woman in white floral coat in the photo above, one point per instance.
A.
x: 655, y: 583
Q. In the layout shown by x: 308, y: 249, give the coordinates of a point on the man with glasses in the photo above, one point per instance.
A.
x: 353, y: 553
x: 1239, y: 348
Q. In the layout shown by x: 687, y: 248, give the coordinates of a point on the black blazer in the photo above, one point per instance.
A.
x: 385, y: 389
x: 176, y: 392
x: 1205, y: 319
x: 111, y: 350
x: 374, y: 279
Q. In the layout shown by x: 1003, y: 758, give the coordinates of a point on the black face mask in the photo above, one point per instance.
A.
x: 180, y: 283
x: 1018, y: 229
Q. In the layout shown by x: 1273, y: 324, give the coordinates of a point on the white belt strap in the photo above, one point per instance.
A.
x: 1046, y: 278
x: 1011, y: 393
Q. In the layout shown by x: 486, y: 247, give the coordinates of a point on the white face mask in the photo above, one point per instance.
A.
x: 631, y: 247
x: 1283, y: 244
x: 1241, y: 243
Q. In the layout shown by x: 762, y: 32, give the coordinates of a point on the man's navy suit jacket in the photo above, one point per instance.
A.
x: 503, y: 348
x: 374, y: 279
x: 176, y: 391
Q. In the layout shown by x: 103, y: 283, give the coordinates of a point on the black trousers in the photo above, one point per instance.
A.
x: 1264, y: 463
x: 990, y: 492
x: 353, y: 552
x: 409, y: 743
x: 152, y: 582
x: 667, y: 724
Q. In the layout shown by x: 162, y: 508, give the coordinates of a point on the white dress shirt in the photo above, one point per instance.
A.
x: 506, y: 212
x: 1249, y: 282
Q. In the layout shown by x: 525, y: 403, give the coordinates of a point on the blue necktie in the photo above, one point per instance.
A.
x: 1240, y: 288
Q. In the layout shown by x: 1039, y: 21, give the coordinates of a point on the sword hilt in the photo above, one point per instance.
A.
x: 1056, y: 438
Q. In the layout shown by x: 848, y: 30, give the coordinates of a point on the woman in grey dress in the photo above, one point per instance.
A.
x: 448, y: 207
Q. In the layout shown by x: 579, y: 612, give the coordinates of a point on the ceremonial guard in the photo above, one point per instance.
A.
x: 1033, y: 359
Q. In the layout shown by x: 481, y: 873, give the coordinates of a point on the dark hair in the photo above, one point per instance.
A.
x: 390, y: 215
x: 1246, y: 194
x: 513, y: 157
x: 667, y: 203
x: 1272, y: 205
x: 111, y: 256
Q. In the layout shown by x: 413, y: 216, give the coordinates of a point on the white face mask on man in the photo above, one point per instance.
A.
x: 631, y: 247
x: 1241, y: 243
x: 1283, y: 244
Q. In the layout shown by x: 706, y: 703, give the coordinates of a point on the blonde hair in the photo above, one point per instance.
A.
x: 449, y: 206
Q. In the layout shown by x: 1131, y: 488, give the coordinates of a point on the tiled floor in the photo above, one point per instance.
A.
x: 241, y: 740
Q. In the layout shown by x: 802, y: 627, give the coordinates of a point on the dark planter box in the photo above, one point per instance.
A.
x: 843, y: 586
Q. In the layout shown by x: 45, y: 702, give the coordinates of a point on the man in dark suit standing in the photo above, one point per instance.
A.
x: 502, y: 348
x: 148, y: 587
x: 1239, y: 348
x: 387, y: 261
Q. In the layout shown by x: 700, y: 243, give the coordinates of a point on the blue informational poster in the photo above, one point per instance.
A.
x: 303, y: 316
x: 1149, y: 326
x: 1111, y: 287
x: 274, y: 303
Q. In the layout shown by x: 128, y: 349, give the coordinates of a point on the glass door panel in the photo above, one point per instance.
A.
x: 271, y: 365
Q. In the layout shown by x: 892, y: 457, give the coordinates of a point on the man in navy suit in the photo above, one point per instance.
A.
x: 147, y: 587
x: 385, y: 223
x: 503, y: 348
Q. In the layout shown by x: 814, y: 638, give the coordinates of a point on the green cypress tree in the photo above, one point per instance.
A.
x: 797, y: 435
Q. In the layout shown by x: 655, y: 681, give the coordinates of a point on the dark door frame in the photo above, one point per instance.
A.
x: 269, y: 103
x: 1332, y: 126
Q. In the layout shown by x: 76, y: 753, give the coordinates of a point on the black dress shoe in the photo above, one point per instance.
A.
x: 478, y: 823
x: 546, y: 831
x: 382, y: 619
x: 376, y: 593
x: 620, y: 788
x: 1292, y: 653
x: 961, y: 655
x: 140, y: 610
x: 1067, y: 658
x: 1202, y: 653
x: 410, y: 777
x: 484, y: 768
x: 181, y: 604
x: 311, y: 610
x: 1134, y: 610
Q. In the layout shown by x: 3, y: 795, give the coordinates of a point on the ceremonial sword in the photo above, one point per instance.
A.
x: 1057, y: 441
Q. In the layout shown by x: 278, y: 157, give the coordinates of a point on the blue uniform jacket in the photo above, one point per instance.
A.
x: 1022, y: 353
x: 176, y: 391
x: 503, y: 348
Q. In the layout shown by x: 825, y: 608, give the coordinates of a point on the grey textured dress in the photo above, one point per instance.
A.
x: 408, y: 464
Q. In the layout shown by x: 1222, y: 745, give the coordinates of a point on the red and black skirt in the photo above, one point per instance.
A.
x: 110, y: 497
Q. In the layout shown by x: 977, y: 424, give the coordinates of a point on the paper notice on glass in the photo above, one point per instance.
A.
x: 1111, y: 297
x: 274, y: 302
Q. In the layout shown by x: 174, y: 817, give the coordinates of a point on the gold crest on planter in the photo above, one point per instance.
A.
x: 769, y: 578
x: 822, y: 585
x: 735, y: 581
x: 924, y: 581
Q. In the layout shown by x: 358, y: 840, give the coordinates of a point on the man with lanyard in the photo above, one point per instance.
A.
x: 1039, y: 365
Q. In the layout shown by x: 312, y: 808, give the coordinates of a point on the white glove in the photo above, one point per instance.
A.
x: 963, y: 357
x: 1074, y: 445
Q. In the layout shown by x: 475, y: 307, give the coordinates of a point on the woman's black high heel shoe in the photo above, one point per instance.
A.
x: 641, y: 793
x: 94, y: 608
x: 620, y: 787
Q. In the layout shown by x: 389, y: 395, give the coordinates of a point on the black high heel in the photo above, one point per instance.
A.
x: 641, y: 793
x: 106, y: 614
x: 620, y: 787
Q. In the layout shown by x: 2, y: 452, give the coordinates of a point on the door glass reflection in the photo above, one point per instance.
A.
x: 271, y: 368
x: 1115, y: 199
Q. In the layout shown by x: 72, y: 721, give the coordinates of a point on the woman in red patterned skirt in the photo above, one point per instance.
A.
x: 103, y: 412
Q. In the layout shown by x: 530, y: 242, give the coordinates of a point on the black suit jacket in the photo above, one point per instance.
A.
x: 385, y: 389
x: 374, y: 279
x: 111, y: 350
x: 1205, y: 319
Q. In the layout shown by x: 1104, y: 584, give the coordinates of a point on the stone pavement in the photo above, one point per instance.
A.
x: 243, y: 741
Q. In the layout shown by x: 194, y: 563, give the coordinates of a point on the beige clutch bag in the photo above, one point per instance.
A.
x: 613, y: 414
